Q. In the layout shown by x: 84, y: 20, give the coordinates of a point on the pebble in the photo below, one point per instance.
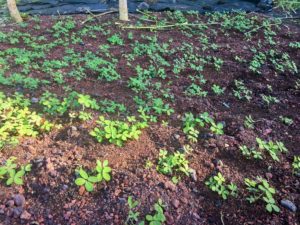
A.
x: 10, y: 203
x: 288, y: 205
x: 177, y: 136
x: 81, y: 190
x: 175, y: 203
x: 25, y: 215
x: 34, y: 100
x: 65, y: 187
x: 195, y: 215
x: 169, y: 218
x: 269, y: 175
x: 17, y: 212
x: 193, y: 174
x: 67, y: 215
x: 169, y: 185
x: 19, y: 200
x: 53, y: 173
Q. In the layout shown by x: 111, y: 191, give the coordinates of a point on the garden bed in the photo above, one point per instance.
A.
x: 242, y: 69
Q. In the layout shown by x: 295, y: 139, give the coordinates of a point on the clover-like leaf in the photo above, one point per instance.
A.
x: 80, y: 181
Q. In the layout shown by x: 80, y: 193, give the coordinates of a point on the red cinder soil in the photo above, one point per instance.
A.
x: 51, y: 195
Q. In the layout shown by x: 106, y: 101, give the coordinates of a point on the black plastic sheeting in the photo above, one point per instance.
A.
x: 63, y: 7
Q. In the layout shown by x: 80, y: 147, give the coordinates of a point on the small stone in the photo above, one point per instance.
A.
x: 53, y: 173
x: 65, y: 187
x: 175, y: 203
x: 10, y: 203
x: 288, y: 205
x: 267, y: 131
x: 169, y: 218
x: 25, y: 215
x: 67, y: 215
x: 193, y: 174
x: 34, y: 100
x: 177, y: 136
x: 169, y: 185
x: 17, y: 212
x: 269, y: 175
x: 19, y: 200
x: 143, y: 6
x: 195, y: 215
x: 184, y: 200
x: 81, y: 190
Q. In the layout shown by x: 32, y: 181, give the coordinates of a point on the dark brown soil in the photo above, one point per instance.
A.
x: 53, y: 198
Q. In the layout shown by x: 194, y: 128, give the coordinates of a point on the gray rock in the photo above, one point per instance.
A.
x: 175, y: 203
x: 169, y: 185
x: 34, y: 100
x: 143, y: 6
x: 288, y: 205
x: 10, y: 203
x: 193, y: 174
x: 265, y: 5
x: 25, y: 215
x: 17, y: 212
x: 19, y: 200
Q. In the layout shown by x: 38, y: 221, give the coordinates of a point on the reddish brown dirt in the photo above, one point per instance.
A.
x: 53, y: 198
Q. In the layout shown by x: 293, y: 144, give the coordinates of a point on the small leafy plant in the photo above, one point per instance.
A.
x: 133, y: 215
x: 217, y: 184
x: 296, y: 165
x: 86, y: 180
x: 158, y: 218
x: 261, y: 189
x: 250, y: 153
x: 17, y: 120
x: 191, y: 124
x: 115, y: 40
x: 173, y: 164
x: 287, y: 121
x: 273, y: 148
x: 117, y: 132
x: 101, y: 173
x: 217, y: 89
x: 249, y: 122
x: 11, y: 173
x: 242, y: 92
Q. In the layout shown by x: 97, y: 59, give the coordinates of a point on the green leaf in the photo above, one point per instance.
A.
x: 105, y: 163
x: 106, y: 169
x: 80, y: 181
x: 83, y: 174
x: 93, y: 179
x: 18, y: 181
x: 28, y: 167
x: 276, y: 208
x: 20, y: 173
x: 89, y: 186
x: 99, y: 177
x: 10, y: 181
x: 106, y: 176
x: 149, y: 217
x: 269, y: 207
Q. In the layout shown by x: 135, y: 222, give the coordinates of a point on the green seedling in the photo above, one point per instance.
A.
x: 12, y: 174
x: 101, y: 173
x: 217, y: 184
x: 261, y: 189
x: 158, y: 218
x: 173, y: 164
x: 117, y: 132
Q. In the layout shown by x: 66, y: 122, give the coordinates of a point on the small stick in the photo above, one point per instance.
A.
x: 99, y: 15
x: 222, y: 218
